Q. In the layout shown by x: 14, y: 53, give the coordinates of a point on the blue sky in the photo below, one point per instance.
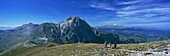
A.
x: 155, y: 13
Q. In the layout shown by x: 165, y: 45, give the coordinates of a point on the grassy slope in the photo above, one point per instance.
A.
x: 81, y: 49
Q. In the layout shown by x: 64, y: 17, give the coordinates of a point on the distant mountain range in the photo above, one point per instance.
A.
x: 150, y: 34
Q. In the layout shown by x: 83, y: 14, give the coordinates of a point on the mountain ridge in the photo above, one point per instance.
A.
x: 142, y: 32
x: 71, y: 30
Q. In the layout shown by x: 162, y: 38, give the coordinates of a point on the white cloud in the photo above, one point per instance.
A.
x: 151, y: 15
x: 136, y: 20
x: 9, y: 25
x: 130, y: 2
x: 136, y: 2
x: 155, y: 19
x: 129, y: 8
x: 145, y: 11
x: 125, y: 22
x: 152, y: 24
x: 165, y: 10
x: 108, y: 22
x: 104, y: 6
x: 146, y: 8
x: 127, y: 13
x: 139, y: 12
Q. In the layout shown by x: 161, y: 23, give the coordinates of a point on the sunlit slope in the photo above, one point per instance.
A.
x: 82, y: 49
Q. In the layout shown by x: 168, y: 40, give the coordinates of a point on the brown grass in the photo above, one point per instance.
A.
x: 82, y: 49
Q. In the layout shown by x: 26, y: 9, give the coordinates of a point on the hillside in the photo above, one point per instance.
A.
x: 83, y: 49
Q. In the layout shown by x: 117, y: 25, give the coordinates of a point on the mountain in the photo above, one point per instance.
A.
x: 136, y: 31
x: 9, y: 38
x: 71, y: 30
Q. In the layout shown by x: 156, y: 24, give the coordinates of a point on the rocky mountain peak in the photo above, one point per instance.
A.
x: 73, y: 19
x: 26, y: 26
x: 30, y: 23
